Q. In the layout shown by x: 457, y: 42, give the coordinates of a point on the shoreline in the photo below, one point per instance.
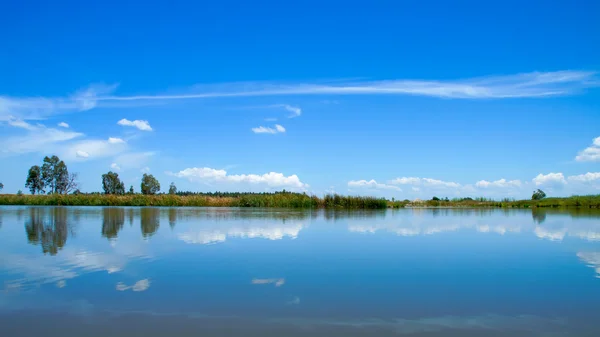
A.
x: 287, y: 200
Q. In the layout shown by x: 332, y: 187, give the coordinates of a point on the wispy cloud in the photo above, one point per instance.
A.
x: 139, y: 124
x: 372, y: 184
x: 591, y: 153
x: 114, y: 140
x: 115, y: 167
x: 526, y: 85
x: 294, y: 110
x: 278, y: 282
x: 63, y: 125
x: 424, y: 181
x: 262, y: 129
x: 271, y: 179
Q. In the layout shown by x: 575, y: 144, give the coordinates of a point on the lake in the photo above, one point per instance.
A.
x: 83, y: 271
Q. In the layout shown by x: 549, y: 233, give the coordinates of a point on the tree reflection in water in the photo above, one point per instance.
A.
x: 113, y: 220
x: 172, y: 217
x: 48, y: 227
x: 150, y: 221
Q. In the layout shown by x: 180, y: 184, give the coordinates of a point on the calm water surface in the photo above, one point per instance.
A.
x: 77, y: 271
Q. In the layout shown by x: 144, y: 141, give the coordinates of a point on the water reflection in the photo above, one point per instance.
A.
x: 113, y: 220
x: 48, y: 227
x: 417, y: 272
x: 150, y: 220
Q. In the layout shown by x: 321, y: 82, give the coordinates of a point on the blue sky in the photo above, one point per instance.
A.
x: 399, y: 99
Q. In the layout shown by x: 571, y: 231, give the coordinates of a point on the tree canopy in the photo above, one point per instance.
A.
x: 34, y: 181
x: 149, y: 184
x: 112, y: 184
x: 538, y: 195
x: 172, y: 189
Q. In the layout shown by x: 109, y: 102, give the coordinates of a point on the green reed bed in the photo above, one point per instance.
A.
x: 276, y: 200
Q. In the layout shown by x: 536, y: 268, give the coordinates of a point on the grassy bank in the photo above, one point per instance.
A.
x: 576, y: 201
x: 277, y: 200
x: 286, y: 200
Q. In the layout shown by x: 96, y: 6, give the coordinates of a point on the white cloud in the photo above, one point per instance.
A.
x: 133, y: 160
x: 114, y: 140
x: 270, y: 119
x: 92, y: 148
x: 140, y: 124
x: 277, y: 281
x: 263, y: 230
x: 61, y: 284
x: 141, y: 285
x: 434, y: 182
x: 41, y: 139
x: 502, y: 183
x: 549, y: 179
x: 535, y: 84
x: 115, y: 167
x: 261, y: 129
x: 145, y: 169
x: 424, y: 181
x: 406, y: 181
x: 63, y: 125
x: 295, y: 111
x: 271, y: 179
x: 32, y: 108
x: 372, y: 184
x: 82, y: 154
x: 585, y: 178
x: 19, y: 123
x: 591, y: 153
x: 592, y: 259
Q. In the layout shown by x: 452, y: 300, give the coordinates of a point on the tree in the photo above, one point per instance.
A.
x: 172, y: 189
x: 70, y: 184
x: 131, y: 189
x: 1, y: 186
x: 435, y: 199
x: 149, y: 184
x: 55, y: 175
x: 538, y: 195
x: 34, y: 181
x: 112, y: 184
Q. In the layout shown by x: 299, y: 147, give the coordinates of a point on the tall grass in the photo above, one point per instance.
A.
x: 287, y: 200
x: 277, y: 200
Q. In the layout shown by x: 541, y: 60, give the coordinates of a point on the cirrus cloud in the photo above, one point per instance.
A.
x: 277, y: 129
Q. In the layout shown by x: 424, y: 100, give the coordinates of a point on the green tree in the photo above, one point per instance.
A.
x: 538, y: 195
x: 149, y: 184
x: 435, y: 199
x: 34, y: 181
x: 131, y: 189
x: 1, y: 186
x: 55, y: 175
x: 112, y: 184
x: 172, y: 188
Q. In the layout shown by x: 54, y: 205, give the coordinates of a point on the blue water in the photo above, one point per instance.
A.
x: 73, y: 271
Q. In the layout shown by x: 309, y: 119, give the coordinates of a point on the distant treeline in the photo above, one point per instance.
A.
x: 576, y: 201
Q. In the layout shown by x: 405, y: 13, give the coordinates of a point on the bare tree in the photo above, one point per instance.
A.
x: 71, y: 184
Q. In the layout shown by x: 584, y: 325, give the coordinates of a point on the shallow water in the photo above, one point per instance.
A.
x: 79, y: 271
